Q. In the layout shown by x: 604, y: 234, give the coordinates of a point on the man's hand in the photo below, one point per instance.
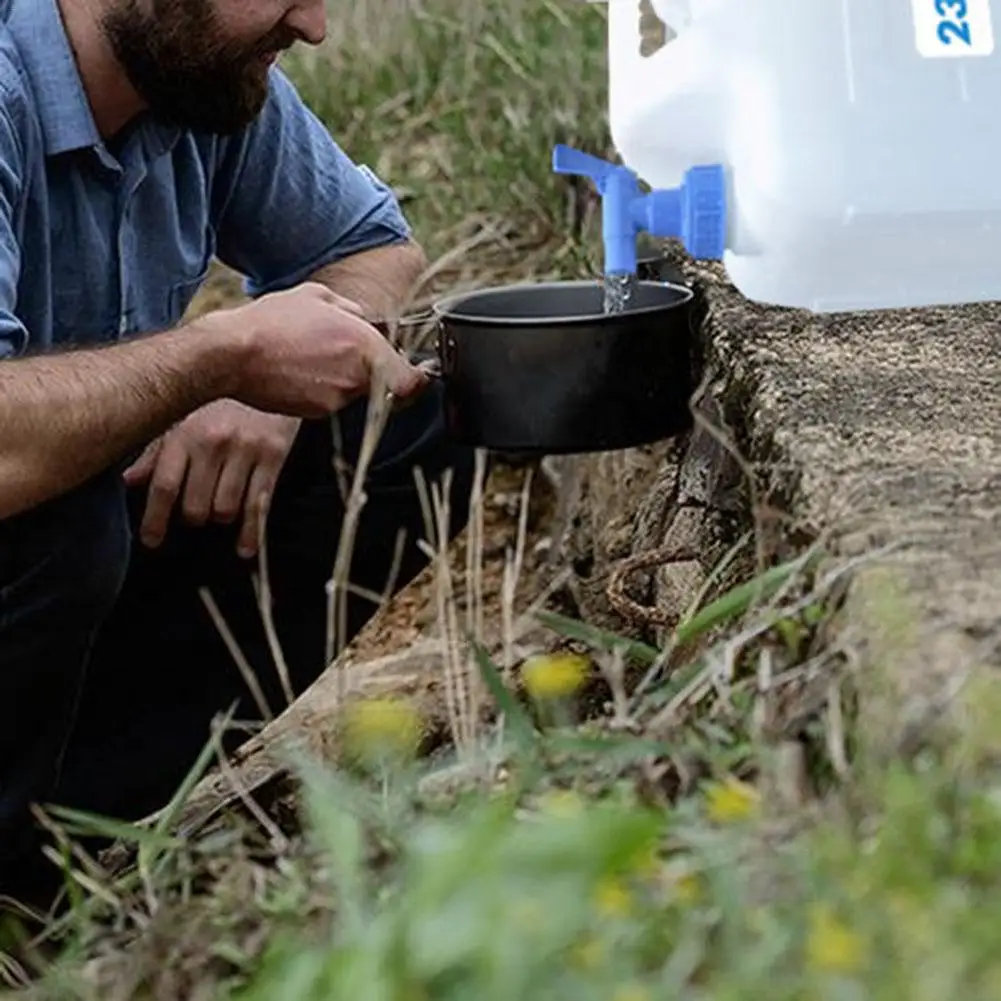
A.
x: 226, y: 457
x: 307, y: 352
x: 302, y: 353
x: 311, y: 354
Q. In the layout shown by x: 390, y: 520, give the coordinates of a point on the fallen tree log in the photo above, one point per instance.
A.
x: 878, y: 433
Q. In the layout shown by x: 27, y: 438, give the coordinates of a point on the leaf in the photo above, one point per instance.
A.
x: 173, y: 809
x: 596, y: 638
x: 79, y: 823
x: 517, y: 717
x: 739, y: 599
x: 724, y: 609
x: 335, y: 824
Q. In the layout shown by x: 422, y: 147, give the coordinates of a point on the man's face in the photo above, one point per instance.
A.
x: 203, y: 64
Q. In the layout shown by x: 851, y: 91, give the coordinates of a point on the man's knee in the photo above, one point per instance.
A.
x: 63, y: 563
x: 415, y: 437
x: 101, y: 560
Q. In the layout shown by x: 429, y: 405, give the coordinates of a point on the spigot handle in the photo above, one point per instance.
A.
x: 567, y: 160
x: 618, y: 188
x: 696, y: 211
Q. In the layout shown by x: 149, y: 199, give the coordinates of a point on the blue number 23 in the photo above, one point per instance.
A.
x: 948, y: 28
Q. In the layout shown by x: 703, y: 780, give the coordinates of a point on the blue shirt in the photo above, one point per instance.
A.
x: 99, y: 243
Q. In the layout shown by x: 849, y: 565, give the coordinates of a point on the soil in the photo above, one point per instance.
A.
x: 222, y: 288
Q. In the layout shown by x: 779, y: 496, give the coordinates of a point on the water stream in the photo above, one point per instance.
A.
x: 619, y: 289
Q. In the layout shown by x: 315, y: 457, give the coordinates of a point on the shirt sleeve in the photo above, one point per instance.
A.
x: 13, y: 334
x: 288, y: 200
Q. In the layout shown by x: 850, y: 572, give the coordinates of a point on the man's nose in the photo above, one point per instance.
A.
x: 308, y: 19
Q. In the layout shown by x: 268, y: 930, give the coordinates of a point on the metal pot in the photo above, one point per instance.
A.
x: 542, y: 369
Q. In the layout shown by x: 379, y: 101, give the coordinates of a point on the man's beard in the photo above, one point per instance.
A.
x: 185, y: 71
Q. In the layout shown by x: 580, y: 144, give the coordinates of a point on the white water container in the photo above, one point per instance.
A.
x: 860, y: 141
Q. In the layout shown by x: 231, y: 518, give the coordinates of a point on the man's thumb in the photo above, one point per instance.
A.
x: 404, y: 379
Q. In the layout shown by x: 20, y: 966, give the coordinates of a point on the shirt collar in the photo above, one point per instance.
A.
x: 67, y: 122
x: 63, y: 109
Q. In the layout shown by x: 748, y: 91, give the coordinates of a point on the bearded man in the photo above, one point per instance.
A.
x: 139, y: 139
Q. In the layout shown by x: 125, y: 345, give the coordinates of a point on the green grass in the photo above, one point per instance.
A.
x: 727, y: 841
x: 458, y: 105
x: 615, y: 899
x: 575, y: 859
x: 584, y: 875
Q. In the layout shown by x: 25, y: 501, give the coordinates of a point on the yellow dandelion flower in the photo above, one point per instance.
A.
x: 377, y: 727
x: 681, y: 882
x: 731, y: 801
x: 632, y: 992
x: 831, y: 946
x: 554, y: 675
x: 612, y: 898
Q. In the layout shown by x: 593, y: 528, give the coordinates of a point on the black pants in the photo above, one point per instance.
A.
x: 111, y: 669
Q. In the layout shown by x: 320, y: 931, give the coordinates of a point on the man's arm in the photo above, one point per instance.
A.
x: 65, y: 417
x: 381, y: 281
x: 290, y: 205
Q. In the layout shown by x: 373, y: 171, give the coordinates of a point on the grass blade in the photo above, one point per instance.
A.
x: 79, y: 823
x: 623, y: 750
x: 599, y: 639
x: 739, y: 599
x: 725, y: 608
x: 518, y: 720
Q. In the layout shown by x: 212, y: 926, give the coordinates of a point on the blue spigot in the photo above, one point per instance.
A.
x: 695, y: 213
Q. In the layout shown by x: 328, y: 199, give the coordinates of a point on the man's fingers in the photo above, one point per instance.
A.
x: 259, y: 489
x: 164, y: 488
x: 200, y: 486
x: 400, y: 377
x: 232, y: 487
x: 340, y: 301
x: 141, y: 470
x: 431, y: 367
x: 348, y: 305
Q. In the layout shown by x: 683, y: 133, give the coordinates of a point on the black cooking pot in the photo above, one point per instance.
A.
x: 542, y: 369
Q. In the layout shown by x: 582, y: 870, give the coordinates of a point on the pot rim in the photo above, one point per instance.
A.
x: 446, y: 309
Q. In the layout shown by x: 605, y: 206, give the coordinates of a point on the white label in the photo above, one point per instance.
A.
x: 946, y: 29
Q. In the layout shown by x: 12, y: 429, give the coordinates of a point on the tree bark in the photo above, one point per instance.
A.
x: 645, y: 527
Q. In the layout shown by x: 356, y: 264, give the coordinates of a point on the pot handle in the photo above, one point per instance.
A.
x: 432, y: 367
x: 446, y: 349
